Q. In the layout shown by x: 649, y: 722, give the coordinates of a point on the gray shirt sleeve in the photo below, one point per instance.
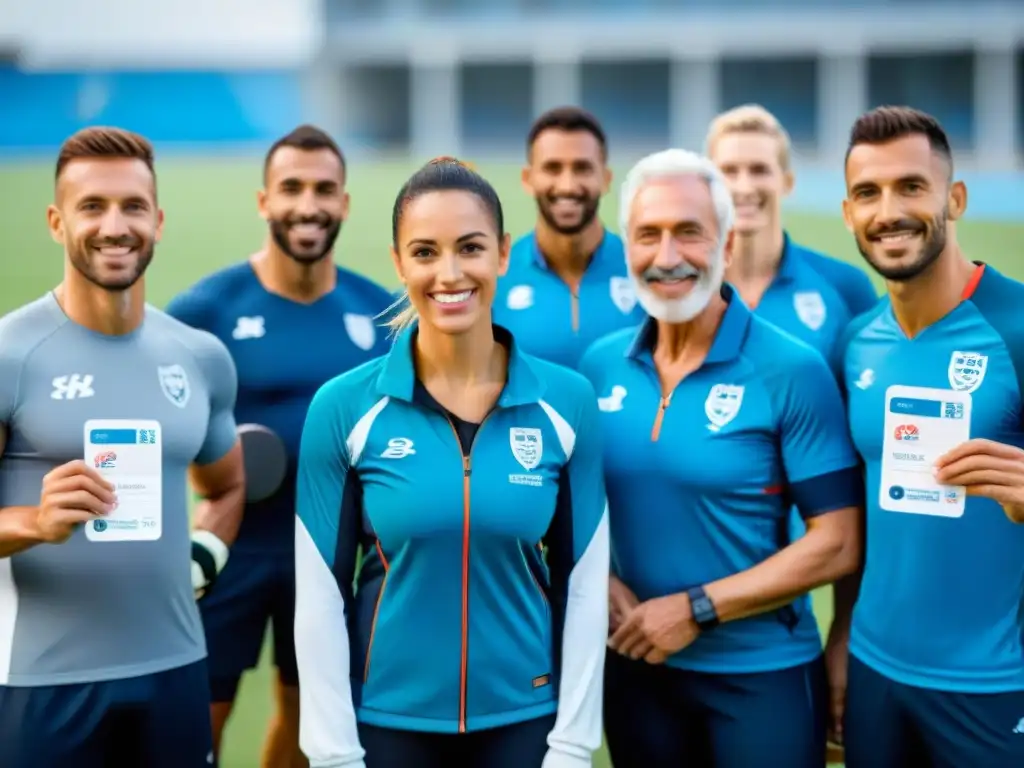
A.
x: 17, y: 340
x: 218, y: 369
x: 10, y: 374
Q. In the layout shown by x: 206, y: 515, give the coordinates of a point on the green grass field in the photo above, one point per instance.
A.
x: 212, y: 222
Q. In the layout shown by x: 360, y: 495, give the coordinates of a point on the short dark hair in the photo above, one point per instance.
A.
x: 885, y: 124
x: 103, y: 142
x: 569, y: 119
x: 308, y: 138
x: 444, y: 174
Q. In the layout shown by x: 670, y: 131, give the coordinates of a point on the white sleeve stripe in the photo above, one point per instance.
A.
x: 566, y: 434
x: 327, y: 724
x: 356, y: 441
x: 578, y: 725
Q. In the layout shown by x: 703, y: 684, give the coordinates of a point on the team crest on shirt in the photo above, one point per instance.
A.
x: 527, y: 446
x: 613, y: 402
x: 519, y: 297
x: 723, y: 405
x: 174, y: 383
x: 967, y: 370
x: 622, y: 293
x: 810, y: 308
x: 360, y: 329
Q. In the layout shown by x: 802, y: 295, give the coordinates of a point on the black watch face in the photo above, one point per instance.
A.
x: 704, y: 611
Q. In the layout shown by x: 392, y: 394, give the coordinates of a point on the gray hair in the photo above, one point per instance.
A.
x: 673, y: 163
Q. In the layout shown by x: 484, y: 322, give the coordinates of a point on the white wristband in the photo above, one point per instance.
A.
x: 213, y: 545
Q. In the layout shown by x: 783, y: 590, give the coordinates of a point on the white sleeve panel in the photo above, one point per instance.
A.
x: 578, y: 727
x: 327, y: 725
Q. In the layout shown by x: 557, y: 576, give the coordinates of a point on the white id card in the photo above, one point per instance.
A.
x: 129, y: 454
x: 921, y: 425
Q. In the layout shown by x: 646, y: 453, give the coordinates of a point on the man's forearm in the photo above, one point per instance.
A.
x: 18, y: 530
x: 844, y: 595
x: 221, y: 515
x: 818, y: 557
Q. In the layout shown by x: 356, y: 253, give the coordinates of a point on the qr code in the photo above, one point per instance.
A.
x: 953, y: 410
x: 147, y: 436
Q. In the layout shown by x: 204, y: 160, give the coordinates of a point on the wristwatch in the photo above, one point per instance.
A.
x: 704, y: 613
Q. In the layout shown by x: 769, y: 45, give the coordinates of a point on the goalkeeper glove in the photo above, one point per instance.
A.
x: 209, y: 555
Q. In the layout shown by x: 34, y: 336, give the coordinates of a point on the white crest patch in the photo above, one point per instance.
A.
x: 361, y: 330
x: 519, y: 297
x: 722, y: 405
x: 174, y: 383
x: 613, y: 402
x: 622, y: 293
x: 967, y: 370
x: 249, y: 328
x: 527, y: 446
x: 810, y: 308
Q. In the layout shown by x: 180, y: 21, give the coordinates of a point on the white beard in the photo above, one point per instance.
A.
x: 683, y: 310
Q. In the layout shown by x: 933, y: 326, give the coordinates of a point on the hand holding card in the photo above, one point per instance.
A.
x: 72, y: 494
x: 987, y: 468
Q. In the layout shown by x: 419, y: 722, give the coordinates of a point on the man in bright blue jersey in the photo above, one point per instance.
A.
x: 803, y: 292
x: 715, y: 423
x: 935, y: 383
x: 292, y: 319
x: 566, y: 284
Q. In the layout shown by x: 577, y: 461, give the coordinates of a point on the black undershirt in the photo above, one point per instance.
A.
x: 466, y: 430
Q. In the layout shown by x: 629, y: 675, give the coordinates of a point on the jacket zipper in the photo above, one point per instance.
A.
x: 467, y: 471
x: 660, y: 417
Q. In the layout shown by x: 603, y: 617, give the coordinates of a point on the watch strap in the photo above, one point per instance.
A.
x: 704, y: 613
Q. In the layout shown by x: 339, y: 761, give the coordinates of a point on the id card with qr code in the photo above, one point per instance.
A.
x: 922, y: 424
x: 128, y: 454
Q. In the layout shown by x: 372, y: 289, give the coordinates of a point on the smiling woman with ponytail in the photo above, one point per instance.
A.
x: 469, y: 476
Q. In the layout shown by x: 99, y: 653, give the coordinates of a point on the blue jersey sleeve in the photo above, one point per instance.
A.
x: 594, y: 360
x: 857, y: 291
x: 190, y: 308
x: 999, y: 300
x: 822, y: 470
x: 578, y: 559
x: 327, y: 730
x: 590, y: 365
x: 221, y: 377
x: 851, y: 283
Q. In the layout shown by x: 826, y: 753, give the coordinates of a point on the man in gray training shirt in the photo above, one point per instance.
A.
x: 107, y: 407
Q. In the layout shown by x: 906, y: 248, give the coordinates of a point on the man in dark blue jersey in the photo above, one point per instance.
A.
x: 292, y: 319
x: 567, y: 283
x: 935, y: 385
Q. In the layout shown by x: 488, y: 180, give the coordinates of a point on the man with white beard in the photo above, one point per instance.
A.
x: 714, y: 424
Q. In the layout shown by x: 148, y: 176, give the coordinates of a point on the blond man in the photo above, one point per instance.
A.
x: 806, y: 293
